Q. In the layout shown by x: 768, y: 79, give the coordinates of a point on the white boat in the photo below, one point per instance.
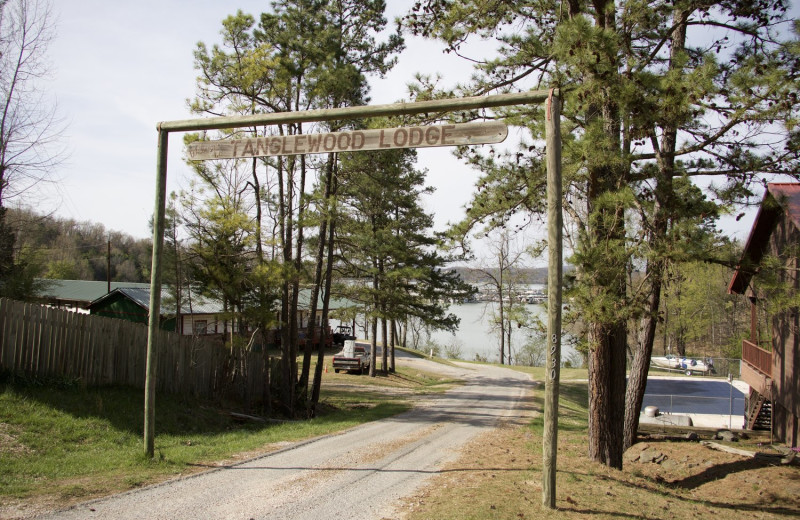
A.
x: 533, y: 296
x: 686, y: 365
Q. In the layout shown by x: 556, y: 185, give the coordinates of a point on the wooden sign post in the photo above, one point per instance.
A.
x: 352, y: 141
x: 408, y: 137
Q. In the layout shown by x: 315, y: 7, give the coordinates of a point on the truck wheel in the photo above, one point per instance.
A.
x: 688, y: 372
x: 336, y: 370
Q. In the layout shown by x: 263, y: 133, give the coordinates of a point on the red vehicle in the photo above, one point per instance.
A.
x: 302, y: 333
x: 353, y: 358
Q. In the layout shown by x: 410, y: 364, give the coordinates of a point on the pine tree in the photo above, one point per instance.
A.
x: 221, y: 236
x: 303, y: 54
x: 384, y: 236
x: 646, y: 100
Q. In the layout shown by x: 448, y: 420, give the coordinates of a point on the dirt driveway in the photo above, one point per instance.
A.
x: 357, y: 474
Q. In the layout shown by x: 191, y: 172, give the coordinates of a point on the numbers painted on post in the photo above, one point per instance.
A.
x: 554, y: 361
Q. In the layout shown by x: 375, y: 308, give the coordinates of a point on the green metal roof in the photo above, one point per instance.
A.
x: 81, y: 292
x: 141, y: 297
x: 84, y: 292
x: 304, y: 300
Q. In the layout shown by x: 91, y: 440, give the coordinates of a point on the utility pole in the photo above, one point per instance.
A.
x: 108, y: 266
x: 554, y: 276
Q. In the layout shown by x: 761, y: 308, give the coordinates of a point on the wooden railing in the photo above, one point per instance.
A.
x: 757, y: 357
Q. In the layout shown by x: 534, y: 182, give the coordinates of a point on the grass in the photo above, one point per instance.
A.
x: 565, y: 374
x: 403, y: 376
x: 65, y: 443
x: 62, y: 443
x: 498, y: 476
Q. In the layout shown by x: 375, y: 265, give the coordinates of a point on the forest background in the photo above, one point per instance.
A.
x: 701, y: 319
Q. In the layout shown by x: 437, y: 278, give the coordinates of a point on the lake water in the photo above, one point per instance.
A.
x: 475, y: 336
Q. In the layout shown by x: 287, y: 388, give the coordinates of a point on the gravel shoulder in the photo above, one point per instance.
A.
x: 361, y: 473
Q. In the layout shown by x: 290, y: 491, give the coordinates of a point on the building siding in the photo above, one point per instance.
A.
x: 784, y: 244
x: 121, y: 307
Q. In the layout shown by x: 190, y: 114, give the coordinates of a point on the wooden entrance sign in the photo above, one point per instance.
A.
x: 352, y: 141
x: 445, y: 135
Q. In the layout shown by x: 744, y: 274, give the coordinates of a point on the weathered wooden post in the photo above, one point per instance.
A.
x: 155, y: 294
x: 554, y: 275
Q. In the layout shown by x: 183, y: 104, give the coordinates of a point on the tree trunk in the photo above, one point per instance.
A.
x: 315, y: 287
x: 316, y: 387
x: 509, y: 354
x: 502, y: 318
x: 606, y: 225
x: 385, y: 341
x: 640, y: 365
x: 374, y: 354
x: 607, y: 394
x: 608, y: 339
x: 607, y: 328
x: 392, y: 341
x: 262, y: 322
x: 295, y: 284
x: 287, y: 320
x: 380, y: 304
x: 259, y: 215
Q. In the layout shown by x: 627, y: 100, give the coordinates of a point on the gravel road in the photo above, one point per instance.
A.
x: 357, y: 474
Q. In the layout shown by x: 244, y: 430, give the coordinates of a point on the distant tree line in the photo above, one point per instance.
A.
x: 30, y: 128
x: 66, y: 249
x: 526, y: 275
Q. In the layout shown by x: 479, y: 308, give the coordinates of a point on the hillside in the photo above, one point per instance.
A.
x: 71, y: 250
x: 528, y: 275
x: 67, y: 249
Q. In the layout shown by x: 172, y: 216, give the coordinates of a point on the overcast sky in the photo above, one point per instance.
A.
x: 121, y: 67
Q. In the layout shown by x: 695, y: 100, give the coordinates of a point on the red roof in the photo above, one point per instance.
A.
x: 788, y: 195
x: 780, y: 198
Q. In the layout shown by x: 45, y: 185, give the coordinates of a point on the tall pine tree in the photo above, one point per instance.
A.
x: 385, y: 237
x: 652, y: 91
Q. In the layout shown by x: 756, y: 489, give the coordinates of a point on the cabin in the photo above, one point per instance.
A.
x: 133, y: 304
x: 76, y: 295
x: 126, y: 300
x: 202, y: 316
x: 768, y: 274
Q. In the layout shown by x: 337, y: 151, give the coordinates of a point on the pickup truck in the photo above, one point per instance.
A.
x: 353, y: 357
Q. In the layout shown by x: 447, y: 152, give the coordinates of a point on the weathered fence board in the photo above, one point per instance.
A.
x: 37, y: 341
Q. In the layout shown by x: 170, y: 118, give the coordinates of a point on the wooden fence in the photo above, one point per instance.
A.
x: 46, y: 343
